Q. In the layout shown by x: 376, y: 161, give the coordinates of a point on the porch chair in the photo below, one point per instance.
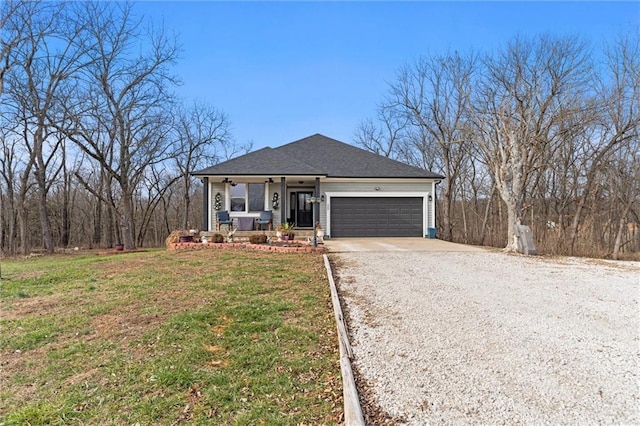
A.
x: 265, y: 219
x: 222, y: 218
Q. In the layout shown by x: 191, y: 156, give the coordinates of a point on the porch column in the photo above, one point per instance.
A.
x: 316, y: 206
x: 283, y: 200
x: 205, y: 203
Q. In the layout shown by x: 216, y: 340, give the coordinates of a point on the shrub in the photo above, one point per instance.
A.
x: 173, y: 238
x: 257, y: 239
x: 218, y: 238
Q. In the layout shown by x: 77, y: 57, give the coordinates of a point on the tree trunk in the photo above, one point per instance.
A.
x: 109, y: 229
x: 127, y: 220
x: 45, y: 224
x: 9, y: 217
x: 65, y: 236
x: 576, y: 219
x: 25, y: 247
x: 47, y: 235
x: 621, y: 225
x: 447, y: 228
x: 485, y: 219
x: 187, y: 201
x: 464, y: 220
x: 514, y: 217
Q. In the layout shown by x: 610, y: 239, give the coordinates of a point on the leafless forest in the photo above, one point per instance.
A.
x: 541, y: 132
x: 97, y: 148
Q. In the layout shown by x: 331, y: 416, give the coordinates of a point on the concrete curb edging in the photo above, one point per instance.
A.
x: 352, y: 410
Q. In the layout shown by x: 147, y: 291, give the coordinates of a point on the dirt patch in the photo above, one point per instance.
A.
x: 27, y: 275
x: 27, y: 306
x: 126, y: 323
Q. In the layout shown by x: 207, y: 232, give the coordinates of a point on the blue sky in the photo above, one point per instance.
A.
x: 286, y: 70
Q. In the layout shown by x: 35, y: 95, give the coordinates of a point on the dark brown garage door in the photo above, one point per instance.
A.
x: 376, y: 217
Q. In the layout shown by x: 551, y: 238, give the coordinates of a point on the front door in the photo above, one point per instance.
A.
x: 301, y: 211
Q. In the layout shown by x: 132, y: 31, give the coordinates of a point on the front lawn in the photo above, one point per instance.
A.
x: 202, y: 337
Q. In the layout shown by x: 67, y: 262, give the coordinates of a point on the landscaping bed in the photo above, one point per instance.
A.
x: 284, y: 246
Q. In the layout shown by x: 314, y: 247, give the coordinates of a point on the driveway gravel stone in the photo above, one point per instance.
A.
x: 487, y: 337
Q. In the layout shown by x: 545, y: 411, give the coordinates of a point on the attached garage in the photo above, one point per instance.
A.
x: 377, y: 217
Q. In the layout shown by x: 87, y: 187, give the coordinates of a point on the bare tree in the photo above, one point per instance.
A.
x: 618, y: 121
x: 202, y: 138
x: 529, y: 88
x: 53, y: 52
x: 121, y: 119
x: 434, y: 95
x: 15, y: 29
x: 387, y: 136
x: 625, y: 182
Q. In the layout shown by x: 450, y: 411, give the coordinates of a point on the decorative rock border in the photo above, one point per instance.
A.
x: 240, y: 246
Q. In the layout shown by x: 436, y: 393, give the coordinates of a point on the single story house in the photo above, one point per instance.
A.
x: 351, y: 192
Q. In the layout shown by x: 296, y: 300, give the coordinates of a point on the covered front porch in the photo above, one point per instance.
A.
x: 289, y: 199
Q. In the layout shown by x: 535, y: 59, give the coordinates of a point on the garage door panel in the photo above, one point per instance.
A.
x: 376, y: 217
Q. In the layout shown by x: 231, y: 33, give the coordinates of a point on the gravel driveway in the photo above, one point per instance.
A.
x: 486, y: 337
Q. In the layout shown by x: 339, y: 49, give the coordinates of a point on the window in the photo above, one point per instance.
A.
x: 256, y: 197
x: 254, y: 192
x: 238, y: 197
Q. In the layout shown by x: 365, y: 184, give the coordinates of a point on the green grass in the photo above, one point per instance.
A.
x: 203, y: 337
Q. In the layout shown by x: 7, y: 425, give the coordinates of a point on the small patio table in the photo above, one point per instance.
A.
x: 245, y: 224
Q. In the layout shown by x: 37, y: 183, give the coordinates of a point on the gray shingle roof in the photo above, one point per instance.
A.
x: 317, y: 155
x: 266, y: 161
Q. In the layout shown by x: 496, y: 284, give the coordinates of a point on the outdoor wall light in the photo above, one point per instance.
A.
x: 315, y: 200
x: 430, y: 198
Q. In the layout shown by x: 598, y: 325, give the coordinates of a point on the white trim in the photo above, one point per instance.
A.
x: 267, y: 191
x: 372, y: 194
x: 374, y: 180
x: 246, y: 212
x: 209, y: 205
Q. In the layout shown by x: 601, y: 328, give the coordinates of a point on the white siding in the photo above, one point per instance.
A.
x: 275, y: 214
x: 215, y: 188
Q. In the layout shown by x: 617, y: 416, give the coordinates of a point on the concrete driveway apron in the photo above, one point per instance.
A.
x: 346, y: 245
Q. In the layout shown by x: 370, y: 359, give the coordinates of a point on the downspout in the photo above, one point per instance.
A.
x: 205, y: 204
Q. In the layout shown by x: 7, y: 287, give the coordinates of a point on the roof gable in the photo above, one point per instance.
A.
x: 338, y: 159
